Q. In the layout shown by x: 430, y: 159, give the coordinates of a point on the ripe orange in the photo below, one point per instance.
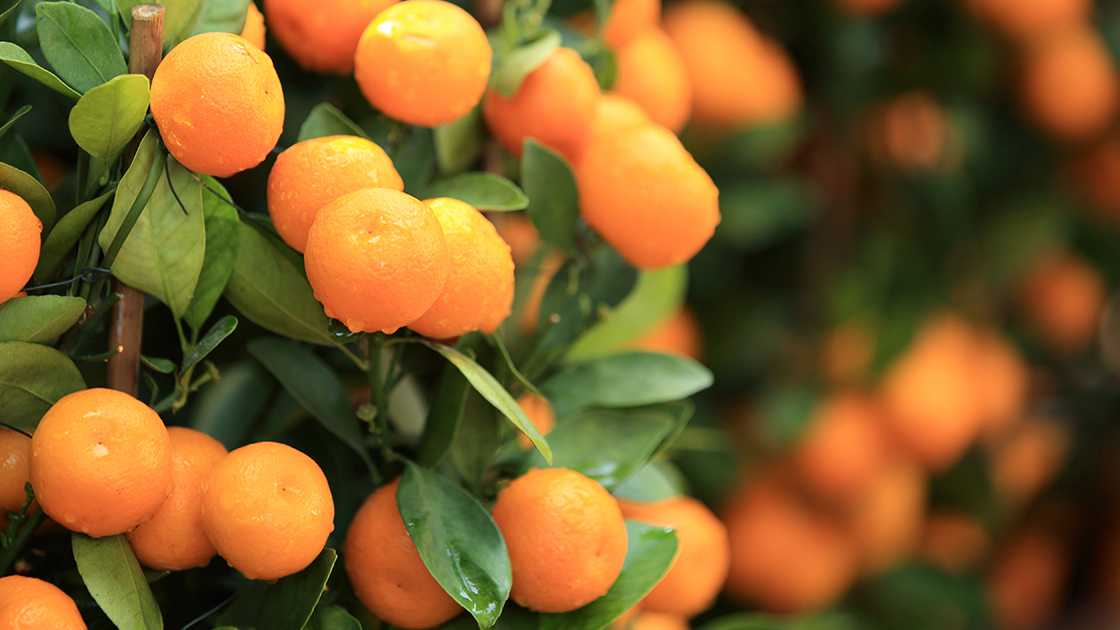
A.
x: 387, y: 572
x: 267, y: 509
x: 649, y: 620
x: 566, y: 539
x: 700, y: 568
x: 15, y: 453
x: 502, y: 310
x: 954, y: 541
x: 218, y: 104
x: 652, y: 73
x: 424, y: 62
x: 100, y: 462
x: 322, y: 35
x: 1028, y: 20
x: 1061, y: 297
x: 519, y: 232
x: 311, y: 174
x: 173, y: 539
x: 677, y: 334
x: 627, y: 19
x: 887, y: 517
x: 554, y: 105
x: 614, y: 112
x: 645, y: 195
x: 913, y: 133
x: 28, y: 603
x: 254, y: 30
x: 19, y: 243
x: 1028, y: 459
x: 844, y: 447
x: 1002, y: 379
x: 540, y: 413
x: 1028, y: 579
x: 481, y: 273
x: 1094, y: 175
x: 377, y: 259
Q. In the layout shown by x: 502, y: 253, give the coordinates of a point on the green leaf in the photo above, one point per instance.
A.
x: 315, y: 385
x: 415, y: 159
x: 32, y: 379
x: 657, y: 295
x: 656, y: 481
x: 756, y: 214
x: 115, y: 580
x: 65, y: 235
x: 459, y: 143
x: 26, y: 187
x: 608, y: 445
x: 18, y: 58
x: 628, y: 379
x: 222, y: 16
x: 444, y: 417
x: 158, y: 364
x: 331, y: 618
x: 78, y: 45
x: 518, y: 64
x: 476, y: 442
x: 547, y: 179
x: 484, y: 191
x: 458, y: 542
x: 108, y: 116
x: 326, y: 120
x: 179, y: 17
x: 289, y: 602
x: 221, y: 329
x: 164, y: 252
x: 228, y: 408
x: 649, y: 554
x: 577, y: 297
x: 39, y: 318
x: 7, y: 7
x: 16, y: 116
x: 221, y: 224
x: 490, y: 389
x: 266, y: 287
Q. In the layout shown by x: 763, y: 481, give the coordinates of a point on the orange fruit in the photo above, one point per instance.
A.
x: 554, y: 105
x: 540, y: 413
x: 914, y: 133
x: 377, y: 259
x: 254, y: 30
x: 1094, y: 175
x: 424, y: 62
x: 387, y: 572
x: 677, y: 334
x: 954, y: 541
x: 15, y: 453
x: 645, y: 195
x: 100, y: 462
x: 566, y: 539
x: 1002, y: 379
x: 1028, y: 20
x: 1061, y: 297
x: 868, y: 8
x: 322, y: 35
x: 311, y: 174
x: 739, y: 77
x: 650, y: 620
x: 268, y: 510
x: 627, y: 19
x: 503, y: 309
x: 844, y: 448
x: 1028, y: 579
x: 218, y: 104
x: 173, y: 539
x: 1029, y: 458
x: 614, y: 112
x: 652, y: 73
x: 19, y: 243
x: 481, y: 275
x: 518, y: 231
x: 28, y: 603
x: 887, y: 517
x: 703, y: 557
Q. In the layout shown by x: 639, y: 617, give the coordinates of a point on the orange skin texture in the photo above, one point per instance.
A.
x: 481, y: 275
x: 844, y: 447
x: 218, y: 104
x: 1029, y: 20
x: 173, y: 540
x: 498, y: 316
x: 377, y: 259
x: 540, y: 413
x: 678, y: 334
x: 268, y: 510
x: 1070, y: 89
x: 887, y: 517
x: 566, y: 538
x: 518, y: 231
x: 424, y: 62
x: 615, y: 112
x: 254, y: 29
x: 19, y: 243
x: 1027, y: 581
x: 700, y: 568
x: 954, y: 541
x: 645, y: 195
x: 739, y: 77
x: 627, y: 19
x: 554, y: 105
x: 311, y: 174
x: 652, y: 73
x: 1061, y: 298
x: 28, y: 603
x: 15, y: 453
x: 100, y: 462
x: 650, y: 620
x: 387, y: 572
x: 322, y: 35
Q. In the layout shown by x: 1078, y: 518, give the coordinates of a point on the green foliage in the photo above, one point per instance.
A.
x: 107, y: 116
x: 554, y: 200
x: 39, y: 318
x: 114, y: 578
x: 32, y: 378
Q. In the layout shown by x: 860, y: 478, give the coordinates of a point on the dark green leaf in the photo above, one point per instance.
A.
x: 26, y: 187
x: 16, y: 116
x: 444, y: 417
x: 289, y: 602
x: 220, y: 221
x: 415, y: 159
x: 107, y: 117
x: 179, y: 17
x: 326, y: 120
x: 18, y: 58
x: 65, y: 235
x: 656, y: 481
x: 477, y: 441
x: 39, y: 318
x: 458, y: 541
x: 7, y: 7
x: 228, y: 408
x: 628, y: 379
x: 547, y: 179
x: 221, y: 329
x: 331, y: 618
x: 78, y: 45
x: 517, y: 65
x: 222, y: 16
x: 115, y: 580
x: 756, y: 214
x: 649, y: 554
x: 484, y: 191
x: 459, y: 143
x: 159, y: 364
x: 32, y: 378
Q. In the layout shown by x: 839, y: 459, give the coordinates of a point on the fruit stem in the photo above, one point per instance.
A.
x: 11, y: 552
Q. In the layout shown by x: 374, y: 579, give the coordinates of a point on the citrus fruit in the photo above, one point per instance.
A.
x: 19, y: 243
x: 503, y: 307
x: 254, y: 29
x: 913, y: 133
x: 1030, y: 457
x: 540, y: 413
x: 677, y: 334
x: 627, y: 19
x: 481, y: 275
x: 28, y: 603
x: 843, y: 448
x: 1026, y: 20
x: 377, y: 259
x: 614, y: 112
x: 321, y: 35
x: 1028, y: 579
x: 100, y: 462
x: 423, y: 62
x: 886, y: 518
x: 173, y: 539
x: 268, y: 510
x: 218, y: 104
x: 652, y: 73
x: 15, y: 453
x: 954, y: 541
x: 1003, y: 380
x: 519, y: 233
x: 554, y: 105
x: 645, y: 195
x: 566, y: 539
x: 649, y: 620
x: 310, y: 174
x: 1061, y: 297
x: 387, y: 572
x: 700, y: 568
